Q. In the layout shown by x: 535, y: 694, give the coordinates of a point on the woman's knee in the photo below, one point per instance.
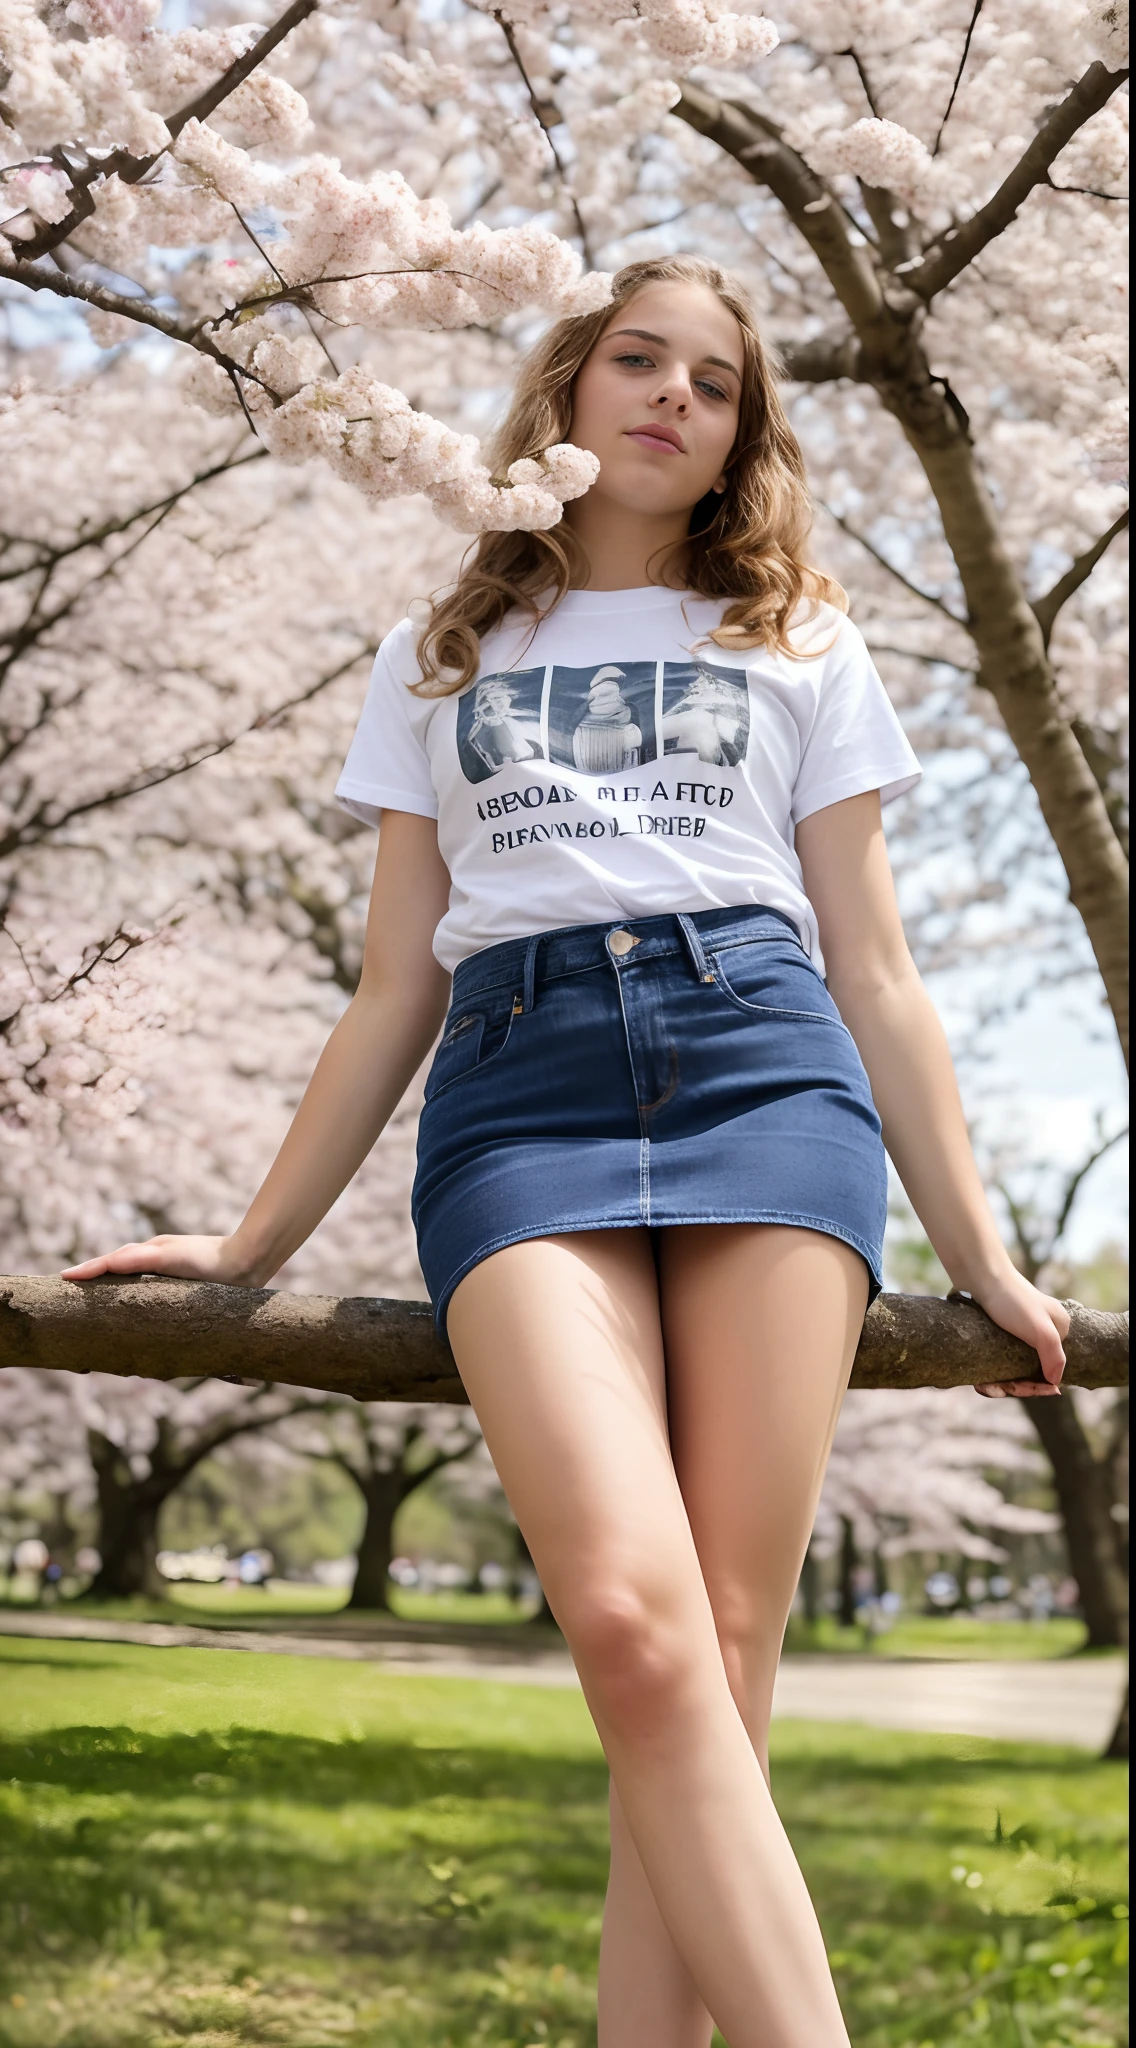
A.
x: 750, y: 1622
x: 635, y: 1654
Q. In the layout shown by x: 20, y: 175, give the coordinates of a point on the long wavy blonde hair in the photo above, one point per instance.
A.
x: 746, y: 545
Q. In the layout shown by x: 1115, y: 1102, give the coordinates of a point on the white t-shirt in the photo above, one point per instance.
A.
x: 618, y: 764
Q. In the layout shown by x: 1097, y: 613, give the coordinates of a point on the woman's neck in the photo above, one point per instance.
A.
x: 627, y: 550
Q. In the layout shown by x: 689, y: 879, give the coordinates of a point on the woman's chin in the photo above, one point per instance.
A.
x: 638, y: 497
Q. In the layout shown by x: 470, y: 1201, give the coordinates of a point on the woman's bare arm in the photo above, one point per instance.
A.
x: 877, y: 989
x: 373, y: 1053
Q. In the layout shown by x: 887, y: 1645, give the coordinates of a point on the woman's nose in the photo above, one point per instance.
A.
x: 675, y: 392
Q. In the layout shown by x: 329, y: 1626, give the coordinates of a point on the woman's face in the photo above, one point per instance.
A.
x: 657, y: 399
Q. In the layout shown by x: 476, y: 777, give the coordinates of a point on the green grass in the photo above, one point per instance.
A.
x: 279, y: 1603
x: 280, y: 1599
x: 202, y: 1848
x: 914, y: 1635
x: 945, y: 1635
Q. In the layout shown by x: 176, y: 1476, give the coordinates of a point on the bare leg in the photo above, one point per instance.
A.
x: 560, y: 1347
x: 761, y: 1326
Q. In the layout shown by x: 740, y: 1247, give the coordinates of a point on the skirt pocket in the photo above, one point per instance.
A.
x: 774, y: 978
x: 473, y: 1036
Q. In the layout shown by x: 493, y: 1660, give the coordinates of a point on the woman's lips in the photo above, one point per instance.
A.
x: 649, y: 440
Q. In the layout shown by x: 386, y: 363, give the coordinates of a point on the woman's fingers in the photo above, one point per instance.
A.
x: 129, y: 1258
x: 997, y: 1390
x: 184, y: 1258
x: 1041, y: 1322
x: 1053, y: 1327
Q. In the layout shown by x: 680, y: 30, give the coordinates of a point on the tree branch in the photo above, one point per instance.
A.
x: 824, y: 360
x: 1013, y: 660
x: 411, y: 1481
x: 130, y: 169
x: 546, y: 115
x: 35, y: 829
x: 52, y: 556
x: 942, y: 265
x: 757, y: 144
x: 971, y: 26
x: 1104, y: 752
x: 1045, y: 609
x: 389, y: 1350
x: 1074, y: 1183
x: 924, y: 596
x: 222, y: 1431
x: 20, y: 270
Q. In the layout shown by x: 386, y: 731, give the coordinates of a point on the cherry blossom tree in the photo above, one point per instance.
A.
x: 124, y: 1446
x: 895, y: 197
x: 349, y: 192
x: 388, y: 1449
x: 309, y: 248
x: 1087, y: 1443
x: 917, y: 1470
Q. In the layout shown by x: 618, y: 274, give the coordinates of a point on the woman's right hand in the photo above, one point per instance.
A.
x: 181, y: 1258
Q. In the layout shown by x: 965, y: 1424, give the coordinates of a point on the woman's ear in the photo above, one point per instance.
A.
x: 719, y: 485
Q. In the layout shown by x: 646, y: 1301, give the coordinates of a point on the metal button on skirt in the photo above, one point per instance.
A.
x: 666, y: 1070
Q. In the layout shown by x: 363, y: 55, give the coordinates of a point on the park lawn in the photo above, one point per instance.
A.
x: 913, y: 1635
x: 206, y: 1848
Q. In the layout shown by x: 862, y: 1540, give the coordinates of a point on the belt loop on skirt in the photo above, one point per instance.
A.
x: 529, y: 997
x: 698, y: 958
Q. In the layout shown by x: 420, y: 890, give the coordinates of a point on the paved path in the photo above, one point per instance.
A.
x: 1072, y: 1700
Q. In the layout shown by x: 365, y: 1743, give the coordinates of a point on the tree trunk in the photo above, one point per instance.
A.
x: 383, y: 1494
x: 127, y: 1539
x: 883, y: 348
x: 543, y: 1617
x: 810, y: 1587
x: 1083, y: 1492
x: 848, y: 1563
x: 1118, y: 1740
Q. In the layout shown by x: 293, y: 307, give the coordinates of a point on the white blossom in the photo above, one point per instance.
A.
x: 1107, y: 23
x: 880, y: 153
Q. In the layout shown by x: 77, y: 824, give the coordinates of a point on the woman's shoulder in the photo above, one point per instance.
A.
x: 398, y: 649
x: 819, y: 631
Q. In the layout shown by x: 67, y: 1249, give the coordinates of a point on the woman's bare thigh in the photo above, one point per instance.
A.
x: 559, y: 1345
x: 760, y: 1328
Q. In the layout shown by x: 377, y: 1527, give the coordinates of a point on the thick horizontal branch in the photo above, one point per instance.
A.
x: 389, y: 1350
x: 824, y: 360
x: 942, y: 265
x: 40, y: 277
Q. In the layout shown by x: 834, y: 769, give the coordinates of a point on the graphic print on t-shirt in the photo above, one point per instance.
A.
x: 499, y: 723
x: 615, y: 762
x: 705, y: 712
x: 601, y: 719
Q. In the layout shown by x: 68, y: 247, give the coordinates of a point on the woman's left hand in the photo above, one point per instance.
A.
x: 1038, y: 1319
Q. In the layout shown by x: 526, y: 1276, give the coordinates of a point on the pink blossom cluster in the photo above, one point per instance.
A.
x: 256, y: 585
x: 879, y: 153
x: 928, y: 1469
x: 682, y: 32
x: 373, y: 254
x: 107, y: 75
x: 75, y: 1035
x: 372, y: 437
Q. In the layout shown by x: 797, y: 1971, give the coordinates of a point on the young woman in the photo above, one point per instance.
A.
x: 651, y: 1183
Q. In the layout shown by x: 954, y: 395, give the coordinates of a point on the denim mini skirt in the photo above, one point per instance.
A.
x: 664, y: 1070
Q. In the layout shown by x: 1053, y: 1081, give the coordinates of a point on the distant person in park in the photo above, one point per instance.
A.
x: 651, y: 1183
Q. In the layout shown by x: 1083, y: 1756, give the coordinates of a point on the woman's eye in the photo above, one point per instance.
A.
x: 634, y: 359
x: 714, y: 390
